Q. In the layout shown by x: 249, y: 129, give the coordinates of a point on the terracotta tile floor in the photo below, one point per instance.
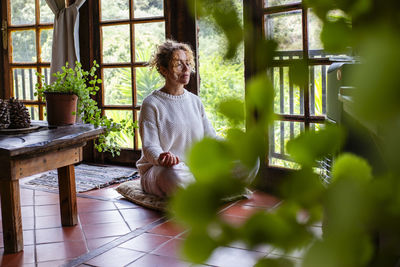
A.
x: 114, y: 232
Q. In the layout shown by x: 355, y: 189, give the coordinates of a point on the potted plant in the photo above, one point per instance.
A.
x: 78, y: 86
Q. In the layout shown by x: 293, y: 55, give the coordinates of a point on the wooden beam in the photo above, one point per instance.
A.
x: 11, y: 216
x: 48, y: 161
x: 253, y: 26
x: 6, y: 90
x: 89, y: 43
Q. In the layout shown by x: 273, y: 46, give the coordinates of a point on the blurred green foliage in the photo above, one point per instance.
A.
x: 359, y: 208
x: 220, y: 79
x: 224, y: 14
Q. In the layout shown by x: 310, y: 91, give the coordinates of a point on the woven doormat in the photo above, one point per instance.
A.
x: 87, y: 177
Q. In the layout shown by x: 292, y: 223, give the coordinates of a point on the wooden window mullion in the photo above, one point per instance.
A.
x: 8, y: 77
x: 38, y: 51
x: 282, y: 8
x: 133, y: 69
x: 305, y: 58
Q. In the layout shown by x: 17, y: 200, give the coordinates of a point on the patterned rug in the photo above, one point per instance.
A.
x: 87, y: 177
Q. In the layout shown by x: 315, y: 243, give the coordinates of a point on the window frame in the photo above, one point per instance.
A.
x: 179, y: 25
x: 9, y: 66
x: 133, y: 64
x: 255, y: 13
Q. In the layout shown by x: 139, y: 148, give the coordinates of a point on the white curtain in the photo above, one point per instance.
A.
x: 66, y: 34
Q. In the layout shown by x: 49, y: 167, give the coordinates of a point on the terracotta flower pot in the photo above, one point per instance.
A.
x: 61, y: 108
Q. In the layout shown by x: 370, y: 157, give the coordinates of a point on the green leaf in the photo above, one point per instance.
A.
x: 304, y: 187
x: 225, y: 16
x: 355, y: 8
x: 259, y: 100
x: 321, y: 7
x: 196, y: 205
x: 264, y: 52
x: 198, y: 246
x: 278, y: 262
x: 377, y: 79
x: 349, y: 166
x: 210, y: 159
x: 274, y: 229
x: 337, y: 36
x: 247, y: 147
x: 233, y: 109
x: 348, y: 206
x: 313, y: 145
x: 349, y: 252
x: 298, y: 72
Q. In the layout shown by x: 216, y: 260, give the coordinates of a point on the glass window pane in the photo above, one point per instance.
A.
x: 147, y: 80
x: 147, y: 36
x: 117, y: 86
x: 269, y: 3
x: 46, y: 15
x: 318, y: 85
x: 279, y: 134
x: 33, y: 111
x: 116, y: 44
x: 114, y: 10
x: 285, y: 28
x: 219, y: 77
x: 24, y: 81
x: 288, y: 96
x: 314, y: 31
x: 46, y: 42
x: 23, y: 46
x: 278, y: 162
x: 123, y: 138
x: 144, y: 8
x: 22, y: 12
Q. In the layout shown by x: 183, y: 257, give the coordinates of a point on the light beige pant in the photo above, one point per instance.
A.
x: 163, y: 182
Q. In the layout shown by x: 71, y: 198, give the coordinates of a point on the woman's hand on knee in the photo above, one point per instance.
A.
x: 167, y: 159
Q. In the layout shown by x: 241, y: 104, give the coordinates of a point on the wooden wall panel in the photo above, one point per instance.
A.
x: 2, y: 86
x: 182, y: 27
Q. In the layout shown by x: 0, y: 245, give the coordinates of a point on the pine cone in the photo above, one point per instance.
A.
x: 4, y: 114
x: 19, y: 115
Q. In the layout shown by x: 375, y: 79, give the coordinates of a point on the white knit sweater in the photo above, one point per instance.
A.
x: 170, y: 123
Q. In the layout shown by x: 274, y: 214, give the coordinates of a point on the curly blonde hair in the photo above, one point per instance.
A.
x: 163, y: 55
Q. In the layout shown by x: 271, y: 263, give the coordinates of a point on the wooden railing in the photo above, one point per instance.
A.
x: 24, y: 81
x: 284, y: 130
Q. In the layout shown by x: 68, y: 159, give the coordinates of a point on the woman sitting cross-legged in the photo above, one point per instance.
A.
x: 171, y: 120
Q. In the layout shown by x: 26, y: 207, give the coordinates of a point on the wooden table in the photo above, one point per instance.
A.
x: 24, y: 154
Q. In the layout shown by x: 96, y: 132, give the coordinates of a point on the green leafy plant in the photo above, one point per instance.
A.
x: 359, y: 208
x: 84, y: 84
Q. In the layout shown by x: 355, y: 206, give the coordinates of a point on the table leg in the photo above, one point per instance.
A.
x: 11, y: 216
x: 67, y: 192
